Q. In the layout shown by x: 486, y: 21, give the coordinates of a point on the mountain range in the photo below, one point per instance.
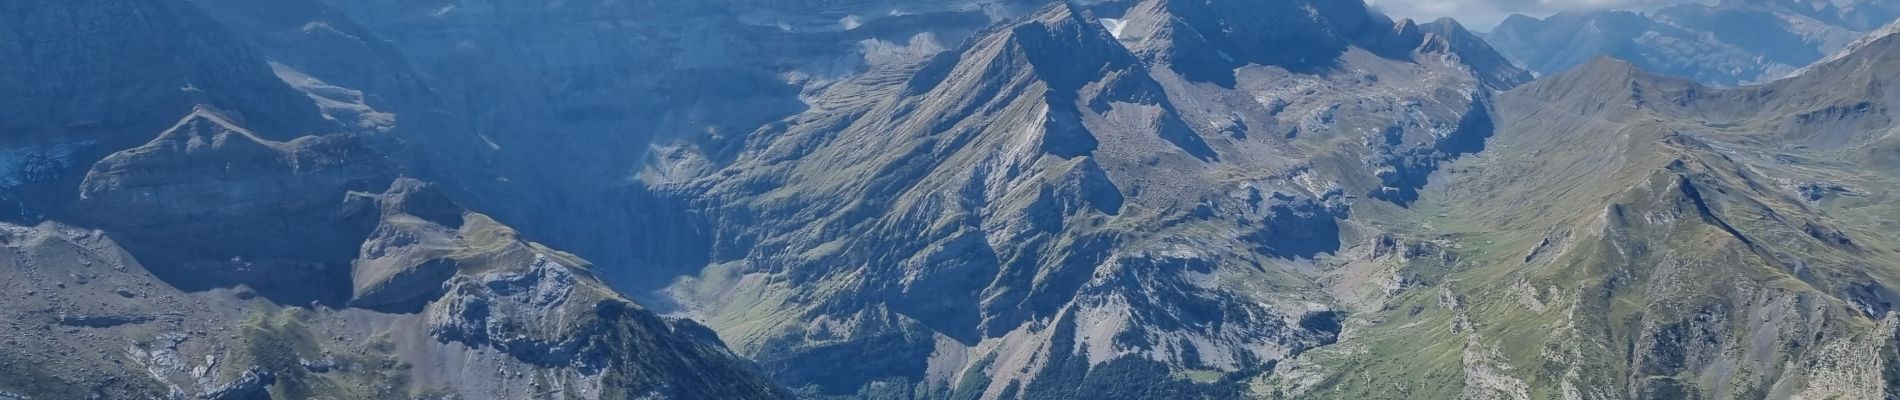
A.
x: 1728, y: 43
x: 945, y: 199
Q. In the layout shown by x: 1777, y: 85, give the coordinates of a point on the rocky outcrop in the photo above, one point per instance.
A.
x: 1292, y: 227
x: 270, y: 214
x: 253, y: 384
x: 544, y: 309
x: 418, y: 245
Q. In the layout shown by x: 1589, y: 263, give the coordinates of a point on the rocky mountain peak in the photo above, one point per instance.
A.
x: 1068, y: 48
x: 1447, y: 36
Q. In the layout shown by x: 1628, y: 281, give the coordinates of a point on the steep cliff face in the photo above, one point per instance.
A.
x: 269, y: 214
x: 80, y: 72
x: 1635, y: 236
x: 591, y: 104
x: 362, y: 82
x: 261, y: 243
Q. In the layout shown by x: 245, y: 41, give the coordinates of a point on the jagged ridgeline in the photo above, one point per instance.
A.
x: 933, y: 199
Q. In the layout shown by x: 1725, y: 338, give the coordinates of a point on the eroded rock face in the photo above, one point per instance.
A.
x: 1292, y: 227
x: 503, y: 310
x: 548, y: 313
x: 418, y: 245
x: 88, y: 78
x: 271, y: 214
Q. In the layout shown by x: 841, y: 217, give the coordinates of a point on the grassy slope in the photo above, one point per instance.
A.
x: 1598, y: 189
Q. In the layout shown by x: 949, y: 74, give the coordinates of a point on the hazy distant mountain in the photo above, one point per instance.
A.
x: 1730, y: 43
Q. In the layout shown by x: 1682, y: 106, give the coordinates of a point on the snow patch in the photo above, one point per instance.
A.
x: 1114, y: 26
x: 340, y: 104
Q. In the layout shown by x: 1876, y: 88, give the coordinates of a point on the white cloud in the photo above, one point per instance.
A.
x: 1485, y: 14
